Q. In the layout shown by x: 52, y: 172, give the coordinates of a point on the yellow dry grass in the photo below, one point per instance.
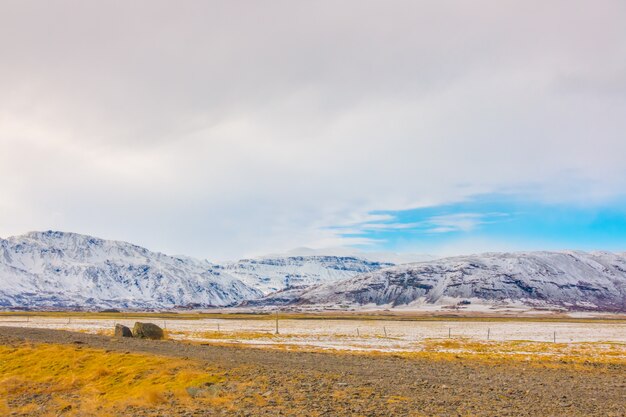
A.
x: 94, y: 382
x: 580, y: 355
x: 557, y: 354
x: 335, y: 315
x: 575, y: 355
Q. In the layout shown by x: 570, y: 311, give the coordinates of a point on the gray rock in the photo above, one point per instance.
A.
x: 122, y: 331
x: 148, y: 331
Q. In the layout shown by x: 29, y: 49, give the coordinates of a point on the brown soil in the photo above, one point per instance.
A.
x: 326, y: 384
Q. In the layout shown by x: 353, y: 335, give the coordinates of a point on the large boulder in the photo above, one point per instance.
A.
x: 148, y: 331
x: 122, y: 331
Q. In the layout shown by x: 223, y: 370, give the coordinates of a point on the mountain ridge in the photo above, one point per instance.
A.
x: 63, y: 270
x: 55, y: 269
x: 271, y: 274
x: 573, y: 280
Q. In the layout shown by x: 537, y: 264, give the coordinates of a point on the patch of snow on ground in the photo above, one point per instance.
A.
x: 387, y: 335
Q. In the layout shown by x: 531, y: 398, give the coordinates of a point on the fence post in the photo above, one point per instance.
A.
x: 385, y: 330
x: 276, y: 321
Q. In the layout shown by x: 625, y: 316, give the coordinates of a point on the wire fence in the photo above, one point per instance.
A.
x: 408, y: 331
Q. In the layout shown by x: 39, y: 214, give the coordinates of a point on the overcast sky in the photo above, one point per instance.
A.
x: 222, y: 129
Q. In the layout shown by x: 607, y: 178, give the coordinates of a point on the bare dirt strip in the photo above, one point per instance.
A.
x: 328, y: 384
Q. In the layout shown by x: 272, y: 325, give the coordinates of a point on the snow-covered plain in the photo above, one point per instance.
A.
x: 353, y: 334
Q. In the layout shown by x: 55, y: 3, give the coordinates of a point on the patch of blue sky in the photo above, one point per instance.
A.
x: 523, y: 224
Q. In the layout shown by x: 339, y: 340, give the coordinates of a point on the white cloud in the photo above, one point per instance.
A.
x: 458, y: 222
x: 223, y: 130
x: 389, y: 226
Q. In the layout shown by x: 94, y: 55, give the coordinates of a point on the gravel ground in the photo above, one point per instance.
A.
x: 326, y: 384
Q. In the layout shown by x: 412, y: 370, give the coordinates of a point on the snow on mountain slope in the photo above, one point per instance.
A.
x: 42, y: 270
x: 278, y: 273
x: 346, y: 252
x: 67, y: 270
x: 574, y: 280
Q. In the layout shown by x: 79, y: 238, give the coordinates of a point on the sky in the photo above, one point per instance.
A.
x: 225, y: 129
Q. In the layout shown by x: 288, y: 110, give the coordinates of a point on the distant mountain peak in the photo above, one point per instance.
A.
x: 53, y: 269
x: 277, y: 273
x: 563, y: 279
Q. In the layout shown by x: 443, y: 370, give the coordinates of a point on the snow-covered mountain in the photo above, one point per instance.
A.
x: 278, y: 273
x: 573, y: 280
x: 66, y: 270
x: 385, y: 257
x: 43, y: 270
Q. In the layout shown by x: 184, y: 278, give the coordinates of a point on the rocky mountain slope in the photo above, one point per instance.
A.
x: 278, y: 273
x: 573, y: 280
x: 66, y: 270
x: 46, y: 270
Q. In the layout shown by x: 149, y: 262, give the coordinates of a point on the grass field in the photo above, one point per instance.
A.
x: 47, y: 373
x: 81, y: 381
x: 544, y: 317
